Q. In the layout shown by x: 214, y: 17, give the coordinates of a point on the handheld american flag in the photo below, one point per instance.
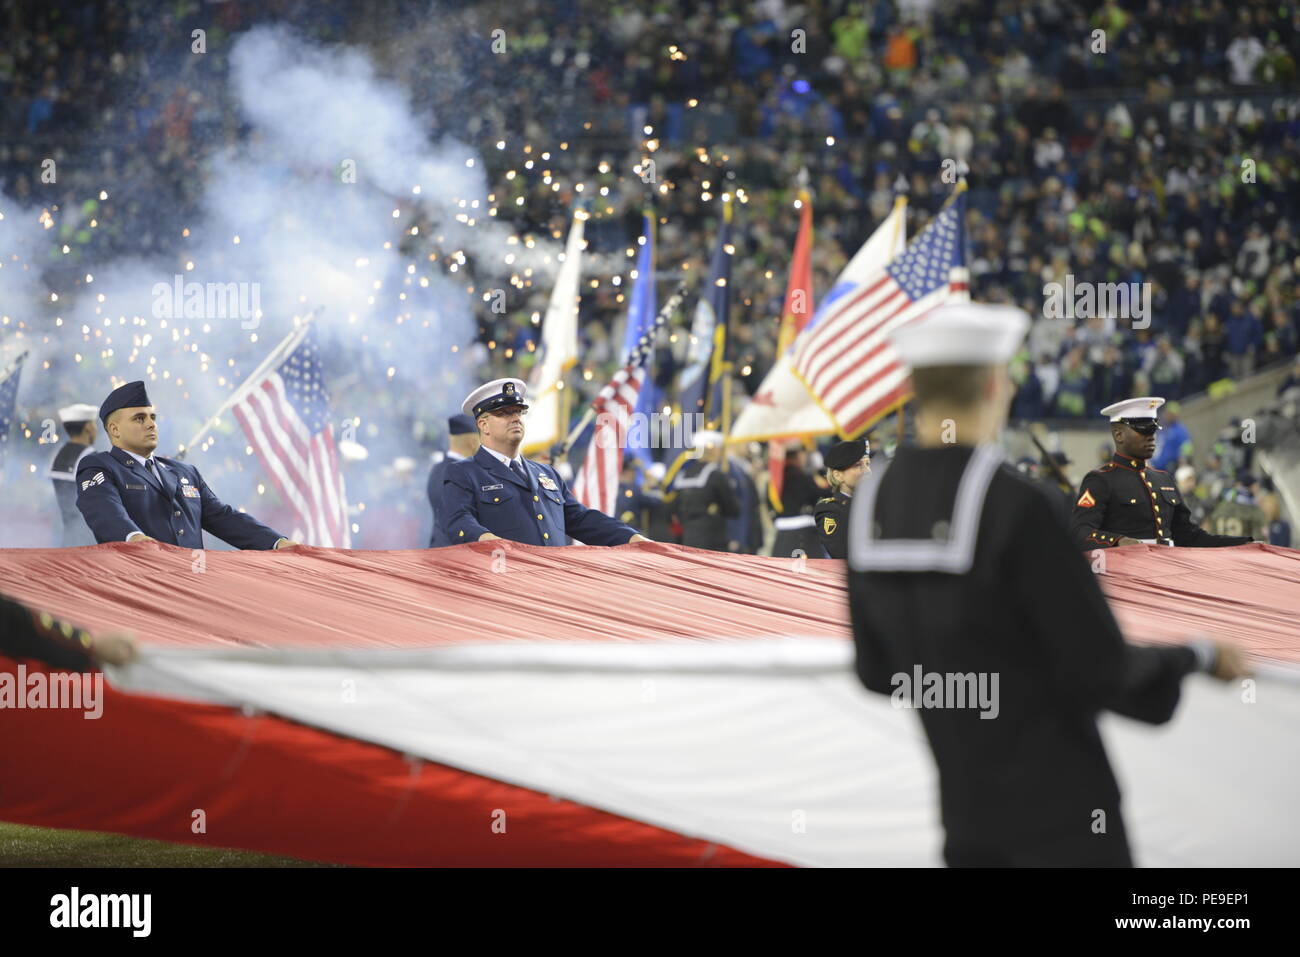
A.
x: 597, y: 483
x: 845, y: 359
x: 286, y: 415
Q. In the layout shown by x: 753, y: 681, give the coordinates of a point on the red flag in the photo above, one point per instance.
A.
x: 798, y: 310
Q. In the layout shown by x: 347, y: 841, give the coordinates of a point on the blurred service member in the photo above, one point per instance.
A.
x: 970, y: 604
x: 462, y: 443
x: 846, y: 463
x: 706, y: 497
x: 80, y: 425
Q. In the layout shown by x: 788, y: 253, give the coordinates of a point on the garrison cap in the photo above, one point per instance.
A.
x: 129, y: 396
x: 461, y: 424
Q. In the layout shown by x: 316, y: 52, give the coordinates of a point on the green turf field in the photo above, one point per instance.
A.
x: 22, y: 846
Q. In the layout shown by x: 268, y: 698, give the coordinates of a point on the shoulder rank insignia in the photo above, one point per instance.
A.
x: 1086, y: 500
x: 829, y: 525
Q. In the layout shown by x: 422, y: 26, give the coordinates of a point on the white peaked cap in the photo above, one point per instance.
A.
x: 495, y: 395
x: 706, y: 437
x: 962, y: 334
x: 78, y: 413
x: 1143, y: 408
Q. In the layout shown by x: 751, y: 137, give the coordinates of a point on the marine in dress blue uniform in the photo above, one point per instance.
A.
x: 124, y: 494
x: 1126, y: 501
x: 463, y: 432
x: 523, y: 501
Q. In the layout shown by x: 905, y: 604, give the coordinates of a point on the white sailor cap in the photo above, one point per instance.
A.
x: 496, y: 394
x: 706, y: 437
x: 961, y: 334
x: 1142, y: 408
x: 81, y: 412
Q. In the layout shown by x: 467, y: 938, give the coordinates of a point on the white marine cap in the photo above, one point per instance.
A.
x: 78, y: 413
x: 706, y: 437
x: 496, y: 394
x: 1143, y: 408
x: 961, y: 334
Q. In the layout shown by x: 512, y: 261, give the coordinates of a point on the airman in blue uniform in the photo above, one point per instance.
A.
x: 129, y: 494
x: 463, y: 443
x: 500, y: 494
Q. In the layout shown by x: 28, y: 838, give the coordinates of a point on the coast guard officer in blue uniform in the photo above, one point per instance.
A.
x: 128, y: 494
x: 500, y: 494
x: 461, y: 444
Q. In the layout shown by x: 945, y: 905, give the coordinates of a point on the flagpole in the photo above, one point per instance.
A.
x: 18, y: 360
x: 289, y: 342
x: 671, y: 306
x: 726, y: 414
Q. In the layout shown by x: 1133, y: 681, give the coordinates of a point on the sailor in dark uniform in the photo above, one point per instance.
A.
x: 846, y: 463
x: 130, y: 494
x: 461, y: 444
x: 80, y: 425
x: 705, y: 496
x: 970, y: 604
x: 796, y: 529
x: 1126, y: 502
x: 499, y: 494
x: 658, y: 514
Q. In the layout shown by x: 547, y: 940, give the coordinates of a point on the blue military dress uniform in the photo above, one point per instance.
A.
x: 461, y: 424
x: 117, y: 496
x: 437, y: 478
x: 481, y: 494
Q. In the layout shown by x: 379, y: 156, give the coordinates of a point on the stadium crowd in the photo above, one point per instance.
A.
x: 1083, y: 161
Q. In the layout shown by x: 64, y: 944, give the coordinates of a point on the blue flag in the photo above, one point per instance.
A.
x: 641, y: 311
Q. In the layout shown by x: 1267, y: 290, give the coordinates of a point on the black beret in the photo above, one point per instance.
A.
x: 843, y: 455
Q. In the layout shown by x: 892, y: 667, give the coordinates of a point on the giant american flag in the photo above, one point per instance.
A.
x: 846, y: 359
x: 286, y: 415
x: 597, y: 483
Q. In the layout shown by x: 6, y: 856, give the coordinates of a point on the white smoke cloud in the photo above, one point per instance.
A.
x: 307, y: 237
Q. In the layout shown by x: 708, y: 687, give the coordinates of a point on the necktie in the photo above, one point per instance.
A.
x: 517, y: 466
x: 152, y: 469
